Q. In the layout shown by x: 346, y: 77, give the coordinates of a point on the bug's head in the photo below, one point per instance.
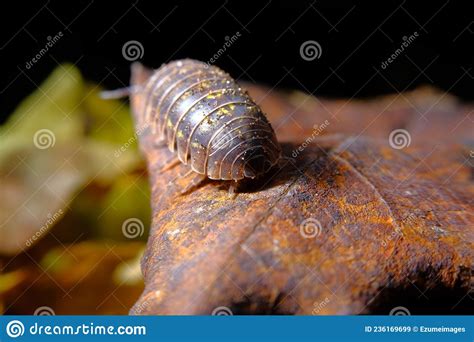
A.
x: 257, y: 162
x: 244, y: 144
x: 249, y: 154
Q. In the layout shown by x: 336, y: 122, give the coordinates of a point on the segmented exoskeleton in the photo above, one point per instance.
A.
x: 208, y: 121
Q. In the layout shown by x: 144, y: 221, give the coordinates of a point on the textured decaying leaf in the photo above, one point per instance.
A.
x: 351, y: 225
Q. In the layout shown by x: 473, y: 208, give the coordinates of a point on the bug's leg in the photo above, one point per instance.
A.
x: 195, y: 181
x: 234, y: 190
x: 284, y: 161
x: 169, y: 164
x: 160, y: 143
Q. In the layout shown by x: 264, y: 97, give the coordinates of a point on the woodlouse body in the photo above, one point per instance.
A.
x: 209, y: 121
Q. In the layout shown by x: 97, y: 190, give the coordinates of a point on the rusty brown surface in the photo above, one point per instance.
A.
x: 396, y: 225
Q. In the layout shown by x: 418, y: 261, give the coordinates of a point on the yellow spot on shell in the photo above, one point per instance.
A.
x: 214, y: 96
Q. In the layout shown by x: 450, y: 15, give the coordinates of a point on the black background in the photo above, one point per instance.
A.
x: 355, y: 39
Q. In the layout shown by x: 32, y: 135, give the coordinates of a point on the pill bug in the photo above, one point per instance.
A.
x: 208, y: 121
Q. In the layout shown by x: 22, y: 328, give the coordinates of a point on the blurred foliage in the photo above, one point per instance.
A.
x: 71, y: 191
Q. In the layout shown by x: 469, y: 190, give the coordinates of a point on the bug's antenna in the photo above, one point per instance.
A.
x: 119, y: 93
